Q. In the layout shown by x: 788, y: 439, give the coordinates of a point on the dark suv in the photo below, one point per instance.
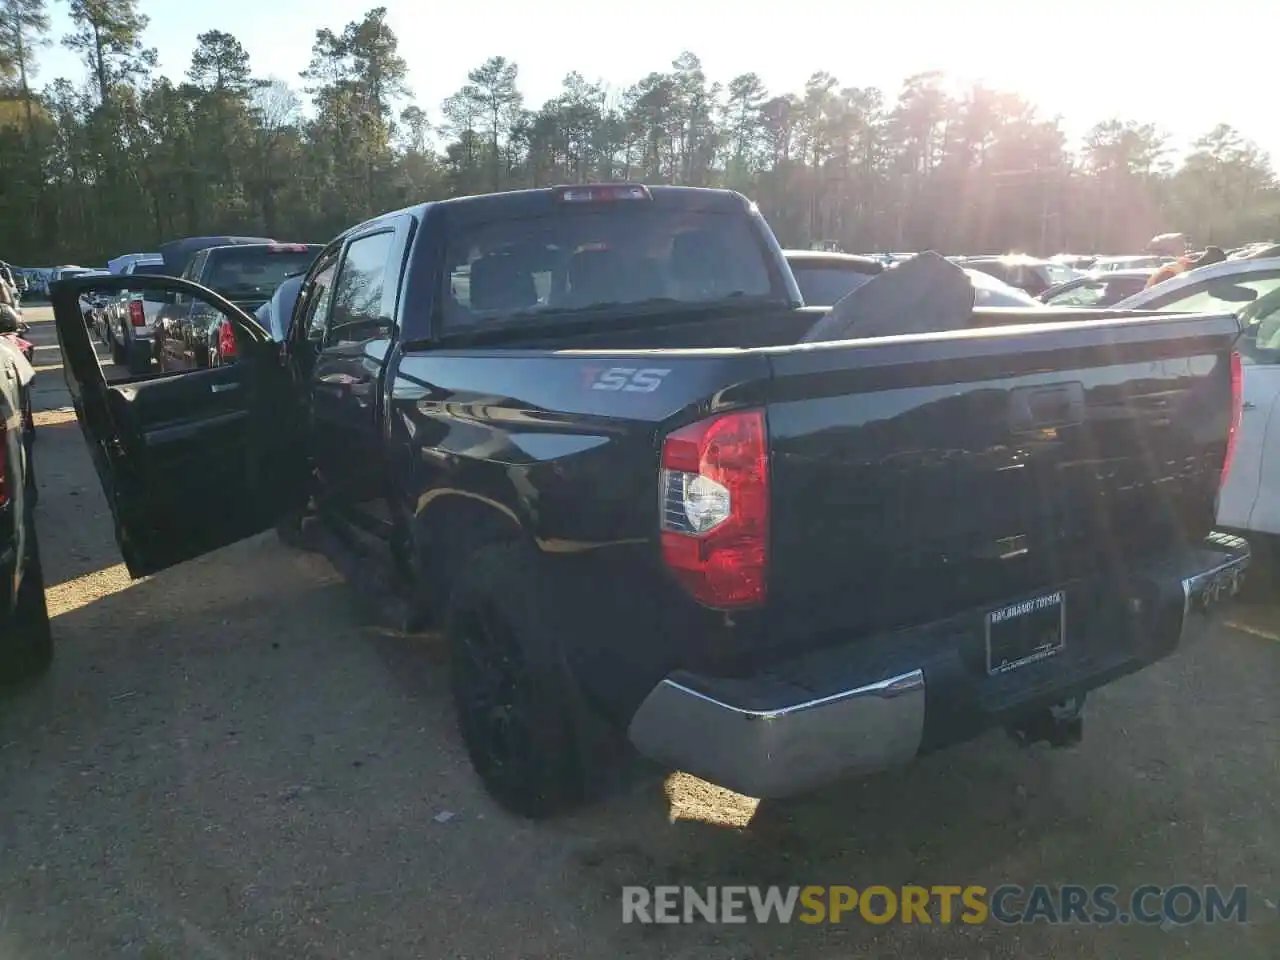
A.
x: 190, y: 334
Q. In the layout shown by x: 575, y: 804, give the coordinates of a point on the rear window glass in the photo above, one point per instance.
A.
x: 1088, y: 294
x: 596, y: 259
x: 825, y: 286
x: 254, y: 270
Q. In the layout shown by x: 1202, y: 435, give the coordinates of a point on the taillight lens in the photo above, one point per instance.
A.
x: 715, y: 508
x: 1237, y: 409
x: 226, y: 340
x: 136, y: 315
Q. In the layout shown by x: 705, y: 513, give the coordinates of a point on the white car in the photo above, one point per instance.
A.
x: 1250, y: 499
x: 1107, y: 264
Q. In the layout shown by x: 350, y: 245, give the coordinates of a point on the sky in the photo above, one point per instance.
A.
x: 1185, y: 68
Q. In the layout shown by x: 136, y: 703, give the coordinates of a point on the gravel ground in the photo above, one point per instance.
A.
x: 225, y: 763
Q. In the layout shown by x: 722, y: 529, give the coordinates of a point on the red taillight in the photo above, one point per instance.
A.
x: 226, y: 340
x: 137, y: 316
x: 715, y: 508
x: 1237, y: 408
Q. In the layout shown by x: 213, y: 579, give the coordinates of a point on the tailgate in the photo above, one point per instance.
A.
x: 916, y: 477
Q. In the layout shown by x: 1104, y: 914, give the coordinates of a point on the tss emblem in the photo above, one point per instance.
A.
x: 630, y: 380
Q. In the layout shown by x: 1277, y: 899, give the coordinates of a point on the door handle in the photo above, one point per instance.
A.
x: 1248, y: 405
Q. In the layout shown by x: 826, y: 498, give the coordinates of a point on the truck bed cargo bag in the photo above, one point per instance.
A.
x: 926, y: 294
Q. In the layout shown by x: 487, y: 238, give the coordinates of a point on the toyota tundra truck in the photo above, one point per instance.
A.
x: 579, y: 430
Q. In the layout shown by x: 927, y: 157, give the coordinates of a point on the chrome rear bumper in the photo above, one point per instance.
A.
x: 1205, y: 594
x: 771, y: 736
x: 785, y: 742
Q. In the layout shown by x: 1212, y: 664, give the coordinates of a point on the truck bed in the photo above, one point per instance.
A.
x: 912, y: 478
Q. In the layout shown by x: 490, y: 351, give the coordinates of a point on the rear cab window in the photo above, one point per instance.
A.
x: 600, y: 257
x: 251, y: 270
x: 142, y: 268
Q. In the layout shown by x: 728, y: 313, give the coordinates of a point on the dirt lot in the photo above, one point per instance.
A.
x: 225, y: 763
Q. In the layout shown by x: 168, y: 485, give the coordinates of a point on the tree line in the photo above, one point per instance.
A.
x: 131, y: 158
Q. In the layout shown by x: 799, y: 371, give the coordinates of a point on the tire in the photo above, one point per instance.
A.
x: 516, y: 706
x: 26, y: 644
x: 139, y: 360
x: 117, y: 352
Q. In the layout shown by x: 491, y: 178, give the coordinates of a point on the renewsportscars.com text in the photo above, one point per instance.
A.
x: 942, y: 904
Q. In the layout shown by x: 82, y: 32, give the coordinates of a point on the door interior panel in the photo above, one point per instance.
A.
x: 187, y: 457
x: 189, y: 461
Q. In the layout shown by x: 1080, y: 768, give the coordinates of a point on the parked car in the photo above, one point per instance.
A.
x: 1263, y: 251
x: 13, y: 336
x: 189, y: 334
x: 824, y: 279
x: 130, y: 319
x: 1025, y: 273
x: 92, y: 305
x: 36, y: 280
x: 1104, y: 289
x: 1076, y: 261
x: 16, y: 281
x: 120, y: 263
x: 641, y: 511
x: 1250, y: 499
x: 177, y: 254
x: 26, y: 641
x: 1226, y: 287
x: 1143, y: 262
x: 66, y: 270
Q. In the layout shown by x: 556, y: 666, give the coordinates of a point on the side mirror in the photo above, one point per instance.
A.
x: 1236, y: 294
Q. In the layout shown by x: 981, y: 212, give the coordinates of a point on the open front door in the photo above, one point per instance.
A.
x: 188, y: 461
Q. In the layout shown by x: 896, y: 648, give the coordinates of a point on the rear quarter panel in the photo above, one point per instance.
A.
x: 561, y: 450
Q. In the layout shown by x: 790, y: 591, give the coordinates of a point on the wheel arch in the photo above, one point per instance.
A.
x: 449, y: 525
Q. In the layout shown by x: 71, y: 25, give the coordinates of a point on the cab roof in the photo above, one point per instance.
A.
x: 484, y: 207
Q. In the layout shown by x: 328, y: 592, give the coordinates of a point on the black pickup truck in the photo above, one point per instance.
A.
x: 580, y: 425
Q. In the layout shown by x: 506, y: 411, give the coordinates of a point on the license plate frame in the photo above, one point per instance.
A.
x: 1022, y: 633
